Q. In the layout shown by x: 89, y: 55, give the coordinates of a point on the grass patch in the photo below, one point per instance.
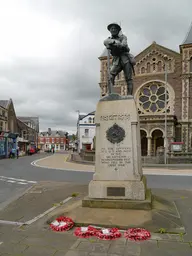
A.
x: 162, y: 230
x: 181, y: 237
x: 75, y: 194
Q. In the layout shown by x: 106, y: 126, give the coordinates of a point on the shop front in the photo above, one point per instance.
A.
x: 22, y: 144
x: 3, y: 144
x: 12, y: 141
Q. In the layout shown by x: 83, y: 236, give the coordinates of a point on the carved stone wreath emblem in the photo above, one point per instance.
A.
x: 115, y: 134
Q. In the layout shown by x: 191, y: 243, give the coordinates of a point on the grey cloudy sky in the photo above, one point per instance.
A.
x: 49, y: 49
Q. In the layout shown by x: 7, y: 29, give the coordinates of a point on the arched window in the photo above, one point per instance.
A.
x: 142, y: 70
x: 159, y: 66
x: 191, y: 65
x: 154, y: 66
x: 148, y: 67
x: 90, y: 120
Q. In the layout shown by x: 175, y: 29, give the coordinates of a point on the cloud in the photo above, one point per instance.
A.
x: 49, y: 49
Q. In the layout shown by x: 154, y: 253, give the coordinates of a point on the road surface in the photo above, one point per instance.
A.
x: 17, y: 175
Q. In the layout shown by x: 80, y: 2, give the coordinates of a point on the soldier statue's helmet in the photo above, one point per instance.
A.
x: 113, y: 24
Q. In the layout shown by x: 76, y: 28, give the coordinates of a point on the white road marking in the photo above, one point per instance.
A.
x: 11, y: 222
x: 33, y: 182
x: 17, y: 181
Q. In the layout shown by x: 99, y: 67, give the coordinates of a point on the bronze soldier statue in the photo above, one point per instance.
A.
x: 122, y: 59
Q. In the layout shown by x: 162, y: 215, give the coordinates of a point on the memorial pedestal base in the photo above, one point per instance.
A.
x: 131, y: 190
x: 145, y: 204
x: 118, y: 181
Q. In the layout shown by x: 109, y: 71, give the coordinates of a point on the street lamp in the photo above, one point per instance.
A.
x: 165, y: 139
x: 78, y: 132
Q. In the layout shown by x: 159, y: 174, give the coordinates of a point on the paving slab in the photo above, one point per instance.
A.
x: 30, y: 204
x: 38, y: 239
x: 164, y: 214
x: 43, y: 251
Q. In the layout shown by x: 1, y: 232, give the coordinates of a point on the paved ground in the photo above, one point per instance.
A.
x: 38, y: 239
x: 54, y: 186
x: 46, y: 243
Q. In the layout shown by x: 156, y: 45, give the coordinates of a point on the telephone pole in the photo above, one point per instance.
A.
x: 165, y: 139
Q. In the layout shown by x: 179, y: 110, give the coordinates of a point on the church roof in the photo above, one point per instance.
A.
x: 188, y: 38
x: 104, y: 53
x: 4, y: 103
x: 154, y: 44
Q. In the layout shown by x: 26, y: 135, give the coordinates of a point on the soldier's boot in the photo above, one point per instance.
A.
x: 129, y: 87
x: 112, y: 80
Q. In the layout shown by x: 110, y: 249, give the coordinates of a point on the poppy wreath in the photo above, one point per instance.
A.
x: 137, y: 234
x: 108, y: 234
x: 62, y: 224
x: 85, y: 232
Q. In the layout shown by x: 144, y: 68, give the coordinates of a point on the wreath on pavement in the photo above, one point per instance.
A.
x: 85, y: 232
x: 62, y: 224
x: 137, y: 234
x: 108, y: 234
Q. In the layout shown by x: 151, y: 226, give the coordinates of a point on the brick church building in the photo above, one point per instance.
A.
x: 149, y: 93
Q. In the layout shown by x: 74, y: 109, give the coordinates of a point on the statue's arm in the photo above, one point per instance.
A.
x: 123, y: 43
x: 108, y: 42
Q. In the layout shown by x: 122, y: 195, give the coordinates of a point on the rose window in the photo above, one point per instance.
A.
x: 152, y: 98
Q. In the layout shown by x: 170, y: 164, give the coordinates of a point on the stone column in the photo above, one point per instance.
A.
x: 149, y: 145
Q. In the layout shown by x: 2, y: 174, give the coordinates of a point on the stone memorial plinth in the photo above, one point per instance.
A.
x: 118, y: 172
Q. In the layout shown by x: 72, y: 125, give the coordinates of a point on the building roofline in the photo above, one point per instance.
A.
x: 188, y: 37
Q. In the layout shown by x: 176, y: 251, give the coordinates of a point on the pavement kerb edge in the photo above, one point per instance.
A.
x: 157, y: 172
x: 34, y: 163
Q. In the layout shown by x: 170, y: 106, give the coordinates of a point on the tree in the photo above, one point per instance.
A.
x: 74, y: 137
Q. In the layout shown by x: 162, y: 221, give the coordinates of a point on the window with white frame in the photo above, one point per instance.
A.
x: 86, y: 132
x: 24, y: 134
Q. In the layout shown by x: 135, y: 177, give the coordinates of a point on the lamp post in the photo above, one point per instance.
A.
x: 165, y: 139
x: 78, y: 132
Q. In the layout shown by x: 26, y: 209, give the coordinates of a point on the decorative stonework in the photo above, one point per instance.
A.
x: 115, y: 134
x: 185, y: 99
x: 151, y: 98
x: 123, y: 90
x: 153, y: 62
x: 185, y: 138
x: 187, y: 54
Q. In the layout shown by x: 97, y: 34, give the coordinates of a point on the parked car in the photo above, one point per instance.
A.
x: 31, y: 151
